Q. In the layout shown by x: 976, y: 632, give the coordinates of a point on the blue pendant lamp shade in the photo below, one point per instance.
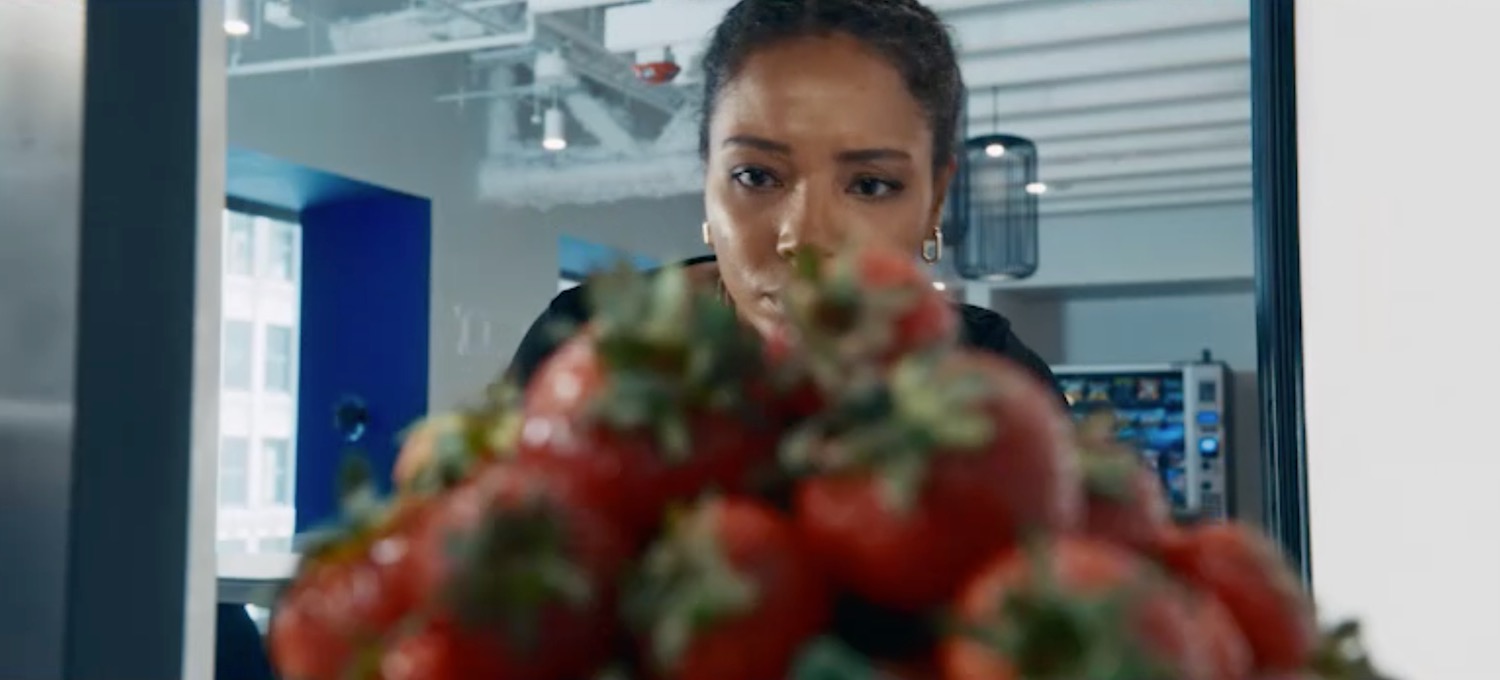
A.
x: 993, y: 209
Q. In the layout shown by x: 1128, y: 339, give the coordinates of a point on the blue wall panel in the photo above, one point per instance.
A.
x: 365, y: 299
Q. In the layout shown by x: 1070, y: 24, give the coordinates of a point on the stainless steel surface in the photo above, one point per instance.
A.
x: 41, y: 128
x: 110, y: 188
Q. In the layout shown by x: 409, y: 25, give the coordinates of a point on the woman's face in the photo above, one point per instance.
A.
x: 815, y: 142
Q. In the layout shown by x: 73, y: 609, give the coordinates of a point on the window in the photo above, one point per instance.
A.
x: 234, y: 471
x: 281, y: 251
x: 260, y: 317
x: 279, y: 472
x: 274, y: 544
x: 239, y: 244
x: 239, y: 339
x: 233, y: 546
x: 278, y: 359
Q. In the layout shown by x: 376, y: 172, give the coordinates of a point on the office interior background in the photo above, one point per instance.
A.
x: 447, y: 166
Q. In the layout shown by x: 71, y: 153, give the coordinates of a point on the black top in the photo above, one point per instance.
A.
x: 981, y: 329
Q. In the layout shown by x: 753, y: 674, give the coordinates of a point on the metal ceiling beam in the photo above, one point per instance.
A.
x: 600, y: 122
x: 390, y: 54
x: 590, y: 59
x: 1085, y: 65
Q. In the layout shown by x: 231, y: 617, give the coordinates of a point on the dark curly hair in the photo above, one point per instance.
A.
x: 908, y: 34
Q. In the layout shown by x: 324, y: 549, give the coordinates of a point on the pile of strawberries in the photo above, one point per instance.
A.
x: 675, y: 497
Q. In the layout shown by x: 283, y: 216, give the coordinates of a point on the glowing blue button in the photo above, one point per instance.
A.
x: 1208, y: 446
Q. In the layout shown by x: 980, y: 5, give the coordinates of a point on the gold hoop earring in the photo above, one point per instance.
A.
x: 932, y: 247
x: 707, y: 240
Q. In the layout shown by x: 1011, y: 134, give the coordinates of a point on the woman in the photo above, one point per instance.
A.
x: 824, y: 122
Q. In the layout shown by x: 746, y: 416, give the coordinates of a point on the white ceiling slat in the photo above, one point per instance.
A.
x: 1135, y: 119
x: 1044, y: 24
x: 1153, y: 184
x: 1225, y: 45
x: 1144, y: 165
x: 1217, y: 137
x: 1051, y: 207
x: 1126, y: 90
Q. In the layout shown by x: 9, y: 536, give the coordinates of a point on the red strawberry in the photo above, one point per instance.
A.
x: 1245, y: 572
x: 921, y: 477
x: 1075, y: 608
x: 348, y: 595
x: 441, y: 650
x: 870, y: 305
x: 442, y: 450
x: 728, y: 594
x: 516, y: 564
x: 1229, y: 654
x: 1126, y: 501
x: 661, y: 397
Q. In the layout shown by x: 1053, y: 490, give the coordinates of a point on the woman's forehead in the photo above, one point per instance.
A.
x: 830, y: 89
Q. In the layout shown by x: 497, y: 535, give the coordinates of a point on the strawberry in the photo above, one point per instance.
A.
x: 442, y: 650
x: 1072, y: 608
x: 519, y: 565
x: 1245, y: 572
x: 866, y: 308
x: 441, y: 450
x: 871, y: 304
x: 348, y: 593
x: 727, y: 594
x: 1229, y: 656
x: 659, y: 398
x: 1125, y: 500
x: 915, y: 478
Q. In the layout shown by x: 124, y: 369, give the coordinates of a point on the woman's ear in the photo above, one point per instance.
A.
x: 941, y: 183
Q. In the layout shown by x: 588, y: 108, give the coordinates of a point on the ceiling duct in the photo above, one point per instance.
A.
x: 550, y: 185
x: 600, y: 122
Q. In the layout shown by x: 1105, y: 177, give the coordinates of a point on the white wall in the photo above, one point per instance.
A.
x: 1173, y: 245
x: 1398, y: 239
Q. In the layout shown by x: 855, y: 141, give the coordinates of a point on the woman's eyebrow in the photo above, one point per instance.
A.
x: 868, y: 155
x: 759, y: 143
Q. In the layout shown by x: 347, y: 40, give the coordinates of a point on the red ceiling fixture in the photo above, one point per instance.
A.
x: 658, y: 72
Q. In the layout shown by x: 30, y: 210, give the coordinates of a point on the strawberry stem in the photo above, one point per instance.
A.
x: 512, y: 565
x: 685, y: 585
x: 670, y: 351
x: 893, y: 425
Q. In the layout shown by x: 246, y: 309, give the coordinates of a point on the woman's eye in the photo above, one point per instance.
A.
x: 873, y: 187
x: 754, y: 178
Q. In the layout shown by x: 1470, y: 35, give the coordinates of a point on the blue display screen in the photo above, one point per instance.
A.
x: 1148, y: 410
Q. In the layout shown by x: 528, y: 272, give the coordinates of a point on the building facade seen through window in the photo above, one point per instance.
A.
x: 258, y: 390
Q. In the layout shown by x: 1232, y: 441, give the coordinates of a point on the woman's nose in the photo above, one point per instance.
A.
x: 807, y: 223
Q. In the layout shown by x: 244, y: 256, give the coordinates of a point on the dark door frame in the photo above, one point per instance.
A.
x: 1278, y: 278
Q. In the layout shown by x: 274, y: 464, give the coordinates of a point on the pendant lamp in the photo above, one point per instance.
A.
x: 997, y: 205
x: 992, y: 209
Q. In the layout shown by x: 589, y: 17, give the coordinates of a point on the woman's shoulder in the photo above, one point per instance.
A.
x: 988, y: 330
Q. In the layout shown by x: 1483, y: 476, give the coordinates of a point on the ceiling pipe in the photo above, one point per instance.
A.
x: 392, y: 54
